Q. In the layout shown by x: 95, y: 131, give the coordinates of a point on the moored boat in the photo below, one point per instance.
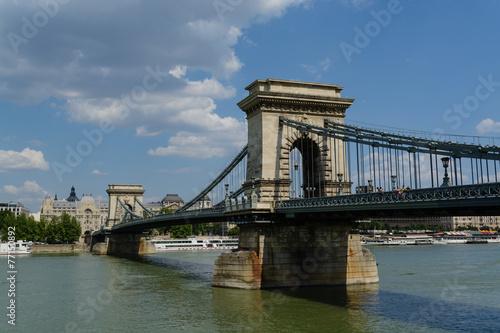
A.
x: 195, y: 244
x: 19, y: 247
x: 469, y: 237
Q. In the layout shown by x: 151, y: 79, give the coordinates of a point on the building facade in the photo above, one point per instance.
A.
x: 15, y: 207
x: 449, y: 222
x: 170, y: 202
x: 91, y: 213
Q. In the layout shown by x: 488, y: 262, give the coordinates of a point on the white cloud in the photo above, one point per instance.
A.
x: 178, y: 71
x: 26, y: 159
x: 96, y: 72
x: 487, y: 126
x: 29, y: 187
x: 99, y: 173
x: 96, y: 111
x: 193, y: 145
x: 30, y: 193
x: 143, y: 131
x: 209, y: 87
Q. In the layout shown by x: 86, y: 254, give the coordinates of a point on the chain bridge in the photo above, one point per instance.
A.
x: 306, y: 179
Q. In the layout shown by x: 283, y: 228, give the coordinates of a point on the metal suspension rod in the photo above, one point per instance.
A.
x: 217, y: 180
x: 373, y: 168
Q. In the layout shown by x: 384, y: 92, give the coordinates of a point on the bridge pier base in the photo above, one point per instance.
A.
x: 123, y: 243
x: 294, y: 255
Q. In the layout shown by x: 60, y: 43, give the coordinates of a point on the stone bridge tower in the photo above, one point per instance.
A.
x: 295, y: 251
x: 127, y: 194
x: 106, y: 242
x: 270, y: 144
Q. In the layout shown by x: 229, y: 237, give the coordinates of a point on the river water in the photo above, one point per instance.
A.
x: 439, y: 288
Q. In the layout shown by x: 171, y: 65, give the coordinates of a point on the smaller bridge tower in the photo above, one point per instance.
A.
x: 127, y: 194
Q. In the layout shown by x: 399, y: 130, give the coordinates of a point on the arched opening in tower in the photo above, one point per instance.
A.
x: 305, y: 169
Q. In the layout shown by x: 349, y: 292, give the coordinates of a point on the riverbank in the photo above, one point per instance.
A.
x: 60, y: 248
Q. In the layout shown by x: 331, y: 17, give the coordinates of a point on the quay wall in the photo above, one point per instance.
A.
x: 60, y: 248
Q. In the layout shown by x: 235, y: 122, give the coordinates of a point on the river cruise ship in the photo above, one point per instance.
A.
x: 399, y: 240
x: 195, y: 244
x: 19, y: 247
x: 468, y: 237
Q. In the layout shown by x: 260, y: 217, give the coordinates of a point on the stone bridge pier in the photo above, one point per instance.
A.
x: 121, y: 243
x: 296, y: 254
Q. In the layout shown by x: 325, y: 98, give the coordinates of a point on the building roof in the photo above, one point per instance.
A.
x: 172, y: 198
x: 72, y: 195
x: 11, y: 204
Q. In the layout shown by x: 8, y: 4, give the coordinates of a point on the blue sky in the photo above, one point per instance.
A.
x: 144, y: 92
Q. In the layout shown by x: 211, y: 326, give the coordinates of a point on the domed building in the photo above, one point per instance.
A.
x: 172, y: 201
x: 169, y: 202
x: 90, y: 212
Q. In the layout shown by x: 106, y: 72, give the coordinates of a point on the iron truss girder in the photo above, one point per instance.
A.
x: 398, y: 142
x: 482, y: 199
x: 207, y: 215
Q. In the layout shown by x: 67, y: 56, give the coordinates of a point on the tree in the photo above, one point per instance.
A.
x: 200, y: 229
x: 181, y: 231
x: 3, y: 216
x: 235, y: 231
x: 9, y: 220
x: 69, y: 229
x: 213, y: 228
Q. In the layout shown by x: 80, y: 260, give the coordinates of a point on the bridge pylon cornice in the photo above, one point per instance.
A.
x: 294, y: 97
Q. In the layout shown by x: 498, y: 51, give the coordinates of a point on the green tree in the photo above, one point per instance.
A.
x: 9, y: 220
x: 200, y: 229
x: 213, y: 228
x: 235, y: 231
x: 387, y: 227
x: 181, y: 231
x: 69, y: 229
x: 3, y: 216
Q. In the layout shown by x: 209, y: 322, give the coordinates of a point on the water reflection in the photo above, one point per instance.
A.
x: 309, y: 308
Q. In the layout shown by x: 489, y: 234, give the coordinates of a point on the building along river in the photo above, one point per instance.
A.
x: 422, y: 289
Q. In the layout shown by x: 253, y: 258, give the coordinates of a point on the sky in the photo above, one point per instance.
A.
x: 144, y: 92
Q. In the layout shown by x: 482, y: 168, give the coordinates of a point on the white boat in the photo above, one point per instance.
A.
x: 469, y: 237
x: 409, y: 240
x: 19, y: 247
x: 195, y: 244
x: 385, y: 241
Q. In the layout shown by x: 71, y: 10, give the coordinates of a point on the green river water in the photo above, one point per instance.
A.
x: 439, y: 288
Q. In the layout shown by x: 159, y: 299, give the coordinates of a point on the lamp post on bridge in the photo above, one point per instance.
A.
x: 393, y: 180
x: 446, y: 179
x: 340, y: 176
x: 309, y: 190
